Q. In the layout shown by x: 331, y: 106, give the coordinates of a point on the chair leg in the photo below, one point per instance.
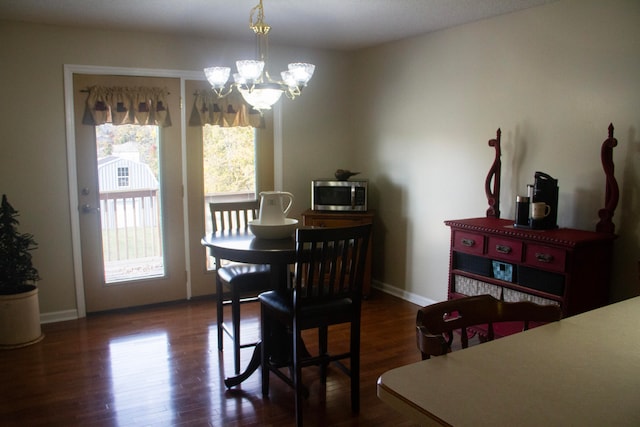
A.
x: 355, y: 365
x: 265, y: 331
x: 220, y: 308
x: 297, y: 373
x: 323, y: 332
x: 235, y: 320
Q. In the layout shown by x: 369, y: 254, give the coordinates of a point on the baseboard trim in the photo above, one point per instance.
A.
x: 61, y: 316
x: 58, y: 316
x: 402, y: 294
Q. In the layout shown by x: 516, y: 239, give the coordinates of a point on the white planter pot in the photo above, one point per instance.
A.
x: 20, y: 319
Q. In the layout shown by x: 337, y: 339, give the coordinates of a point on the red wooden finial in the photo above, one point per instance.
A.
x: 493, y: 195
x: 611, y: 194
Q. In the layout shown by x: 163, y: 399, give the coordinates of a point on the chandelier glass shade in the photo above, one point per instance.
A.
x: 252, y: 80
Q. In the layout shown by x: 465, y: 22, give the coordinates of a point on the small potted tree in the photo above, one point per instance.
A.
x: 19, y: 307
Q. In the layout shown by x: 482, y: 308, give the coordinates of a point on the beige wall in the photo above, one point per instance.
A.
x: 552, y: 78
x: 33, y: 159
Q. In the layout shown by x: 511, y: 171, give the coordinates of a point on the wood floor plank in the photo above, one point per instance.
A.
x: 160, y: 366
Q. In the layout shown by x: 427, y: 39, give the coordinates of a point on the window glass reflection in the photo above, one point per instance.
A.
x: 141, y: 376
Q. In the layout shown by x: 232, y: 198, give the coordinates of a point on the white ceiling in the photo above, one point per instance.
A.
x: 335, y: 24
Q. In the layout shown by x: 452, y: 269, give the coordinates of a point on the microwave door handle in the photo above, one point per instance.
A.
x: 353, y: 197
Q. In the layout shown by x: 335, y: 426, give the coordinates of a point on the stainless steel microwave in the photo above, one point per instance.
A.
x: 329, y: 195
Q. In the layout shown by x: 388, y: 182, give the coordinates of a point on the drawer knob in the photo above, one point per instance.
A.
x: 468, y: 242
x: 503, y: 249
x: 544, y: 257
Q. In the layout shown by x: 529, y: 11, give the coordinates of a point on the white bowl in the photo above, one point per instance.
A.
x: 273, y: 231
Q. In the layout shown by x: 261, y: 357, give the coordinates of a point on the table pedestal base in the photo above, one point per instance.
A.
x: 253, y: 365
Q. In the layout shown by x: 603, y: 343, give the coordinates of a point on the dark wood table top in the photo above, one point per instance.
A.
x: 245, y: 247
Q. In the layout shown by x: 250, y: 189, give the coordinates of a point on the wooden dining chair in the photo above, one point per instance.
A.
x: 436, y: 324
x: 242, y: 282
x: 327, y: 290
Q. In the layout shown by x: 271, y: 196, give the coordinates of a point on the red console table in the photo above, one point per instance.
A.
x: 563, y: 266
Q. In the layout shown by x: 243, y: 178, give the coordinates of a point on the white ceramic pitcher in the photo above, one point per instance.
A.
x: 274, y: 207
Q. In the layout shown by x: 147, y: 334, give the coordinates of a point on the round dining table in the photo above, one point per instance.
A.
x: 245, y: 247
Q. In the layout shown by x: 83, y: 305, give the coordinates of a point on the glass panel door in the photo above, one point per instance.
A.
x: 131, y: 212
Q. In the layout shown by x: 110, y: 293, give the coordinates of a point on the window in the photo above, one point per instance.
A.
x: 123, y: 176
x: 229, y: 165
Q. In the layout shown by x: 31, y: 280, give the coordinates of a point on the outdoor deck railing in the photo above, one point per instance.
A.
x: 131, y: 222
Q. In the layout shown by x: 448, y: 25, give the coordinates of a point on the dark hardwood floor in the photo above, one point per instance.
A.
x: 160, y: 366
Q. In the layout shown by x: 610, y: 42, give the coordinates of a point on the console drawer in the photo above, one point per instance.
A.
x: 546, y: 258
x: 470, y: 243
x: 504, y: 249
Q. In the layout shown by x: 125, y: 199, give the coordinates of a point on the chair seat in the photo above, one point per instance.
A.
x: 248, y: 277
x: 330, y: 312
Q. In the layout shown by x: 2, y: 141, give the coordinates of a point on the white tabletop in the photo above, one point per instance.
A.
x: 581, y: 371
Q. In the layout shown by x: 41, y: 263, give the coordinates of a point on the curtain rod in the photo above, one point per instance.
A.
x: 87, y: 91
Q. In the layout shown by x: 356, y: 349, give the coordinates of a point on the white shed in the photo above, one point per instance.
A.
x: 128, y: 193
x: 122, y: 174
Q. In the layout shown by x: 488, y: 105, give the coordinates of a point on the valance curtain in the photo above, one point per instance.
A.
x: 230, y: 111
x: 127, y: 105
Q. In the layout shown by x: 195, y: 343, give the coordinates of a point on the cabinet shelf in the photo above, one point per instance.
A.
x: 505, y: 284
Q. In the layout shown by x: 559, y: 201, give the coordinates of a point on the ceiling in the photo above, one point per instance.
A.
x: 333, y: 24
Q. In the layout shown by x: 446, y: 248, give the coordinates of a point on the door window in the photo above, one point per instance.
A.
x: 129, y: 184
x: 129, y: 188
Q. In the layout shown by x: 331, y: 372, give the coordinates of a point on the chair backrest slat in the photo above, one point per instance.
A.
x: 330, y: 262
x: 234, y: 216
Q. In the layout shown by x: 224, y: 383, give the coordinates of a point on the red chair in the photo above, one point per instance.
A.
x: 436, y: 323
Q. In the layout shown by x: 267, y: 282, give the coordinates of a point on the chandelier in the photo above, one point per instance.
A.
x: 252, y: 80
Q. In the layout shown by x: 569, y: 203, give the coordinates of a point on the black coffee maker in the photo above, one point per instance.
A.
x: 545, y: 189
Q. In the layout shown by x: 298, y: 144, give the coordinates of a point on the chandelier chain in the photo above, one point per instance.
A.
x: 258, y: 25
